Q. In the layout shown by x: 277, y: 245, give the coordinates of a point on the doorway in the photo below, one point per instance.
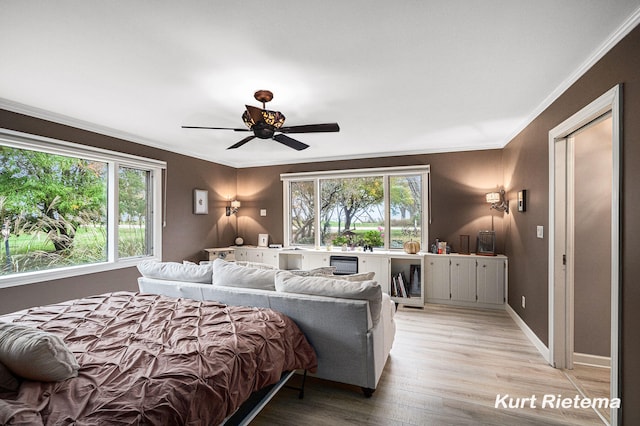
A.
x: 583, y: 232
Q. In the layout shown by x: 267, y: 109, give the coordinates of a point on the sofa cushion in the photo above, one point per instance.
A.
x: 228, y: 274
x: 35, y: 354
x: 333, y: 287
x: 174, y: 271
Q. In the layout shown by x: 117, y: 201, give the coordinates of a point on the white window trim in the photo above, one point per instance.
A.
x: 115, y: 160
x: 385, y: 172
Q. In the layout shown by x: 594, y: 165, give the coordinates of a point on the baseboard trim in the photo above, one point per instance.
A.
x: 593, y: 360
x: 540, y: 346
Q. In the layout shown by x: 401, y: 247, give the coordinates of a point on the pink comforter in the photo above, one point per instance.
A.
x: 150, y: 359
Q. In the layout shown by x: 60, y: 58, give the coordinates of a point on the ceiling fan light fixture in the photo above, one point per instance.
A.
x: 265, y: 123
x: 272, y: 118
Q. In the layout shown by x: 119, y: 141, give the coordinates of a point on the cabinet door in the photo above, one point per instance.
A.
x: 254, y: 255
x: 490, y: 280
x: 315, y: 260
x: 271, y: 257
x: 379, y: 265
x: 437, y: 278
x: 241, y: 254
x: 463, y: 279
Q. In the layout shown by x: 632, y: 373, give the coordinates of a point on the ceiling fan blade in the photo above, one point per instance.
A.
x: 254, y: 113
x: 217, y: 128
x: 311, y: 128
x: 290, y: 142
x: 242, y: 142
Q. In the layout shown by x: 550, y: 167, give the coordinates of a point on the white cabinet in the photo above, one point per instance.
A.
x: 314, y: 260
x: 463, y: 279
x: 466, y: 280
x: 377, y: 264
x: 241, y: 254
x: 271, y: 257
x: 255, y: 254
x: 226, y: 253
x: 490, y: 281
x: 437, y: 278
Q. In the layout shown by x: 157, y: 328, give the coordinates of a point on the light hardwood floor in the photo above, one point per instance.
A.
x: 446, y: 367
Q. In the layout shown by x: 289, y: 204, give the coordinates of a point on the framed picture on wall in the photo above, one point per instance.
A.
x: 200, y: 201
x: 263, y: 240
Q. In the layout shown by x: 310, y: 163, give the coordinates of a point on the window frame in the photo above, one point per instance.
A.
x: 385, y: 172
x: 114, y: 160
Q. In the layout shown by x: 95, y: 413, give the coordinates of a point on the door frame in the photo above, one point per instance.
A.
x: 560, y: 297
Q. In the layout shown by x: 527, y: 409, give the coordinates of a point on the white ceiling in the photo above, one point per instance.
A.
x: 400, y: 77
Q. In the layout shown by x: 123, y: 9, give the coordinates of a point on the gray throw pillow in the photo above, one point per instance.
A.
x: 333, y: 287
x: 174, y: 271
x: 35, y: 354
x: 228, y: 274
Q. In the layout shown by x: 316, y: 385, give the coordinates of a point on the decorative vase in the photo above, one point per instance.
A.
x: 411, y: 247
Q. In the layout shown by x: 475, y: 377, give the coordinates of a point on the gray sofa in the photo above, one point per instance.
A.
x: 352, y: 344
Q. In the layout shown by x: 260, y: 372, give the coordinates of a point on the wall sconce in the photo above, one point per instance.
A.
x: 233, y: 208
x: 498, y: 201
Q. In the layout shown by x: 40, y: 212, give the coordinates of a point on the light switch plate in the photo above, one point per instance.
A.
x: 540, y: 231
x: 263, y: 212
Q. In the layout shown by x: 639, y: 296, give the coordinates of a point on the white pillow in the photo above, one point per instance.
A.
x: 35, y: 354
x: 364, y: 276
x: 8, y: 381
x: 174, y: 271
x: 256, y: 265
x: 228, y: 274
x: 321, y: 271
x: 332, y: 287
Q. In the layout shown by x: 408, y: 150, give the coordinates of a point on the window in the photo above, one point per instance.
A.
x: 381, y: 208
x: 67, y: 209
x: 134, y: 236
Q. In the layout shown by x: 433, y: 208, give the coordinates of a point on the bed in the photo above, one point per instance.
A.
x: 153, y: 359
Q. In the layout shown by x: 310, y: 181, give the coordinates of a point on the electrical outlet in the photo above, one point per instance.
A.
x: 524, y: 302
x: 263, y: 212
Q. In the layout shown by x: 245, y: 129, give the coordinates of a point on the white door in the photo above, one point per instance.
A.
x: 563, y: 238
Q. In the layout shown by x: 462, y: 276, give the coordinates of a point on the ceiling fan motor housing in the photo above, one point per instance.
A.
x: 263, y: 130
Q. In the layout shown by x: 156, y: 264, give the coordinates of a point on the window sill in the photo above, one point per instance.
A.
x: 67, y: 272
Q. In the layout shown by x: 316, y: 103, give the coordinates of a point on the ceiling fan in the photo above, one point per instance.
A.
x: 264, y: 124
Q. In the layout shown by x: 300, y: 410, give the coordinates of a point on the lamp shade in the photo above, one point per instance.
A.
x: 493, y: 197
